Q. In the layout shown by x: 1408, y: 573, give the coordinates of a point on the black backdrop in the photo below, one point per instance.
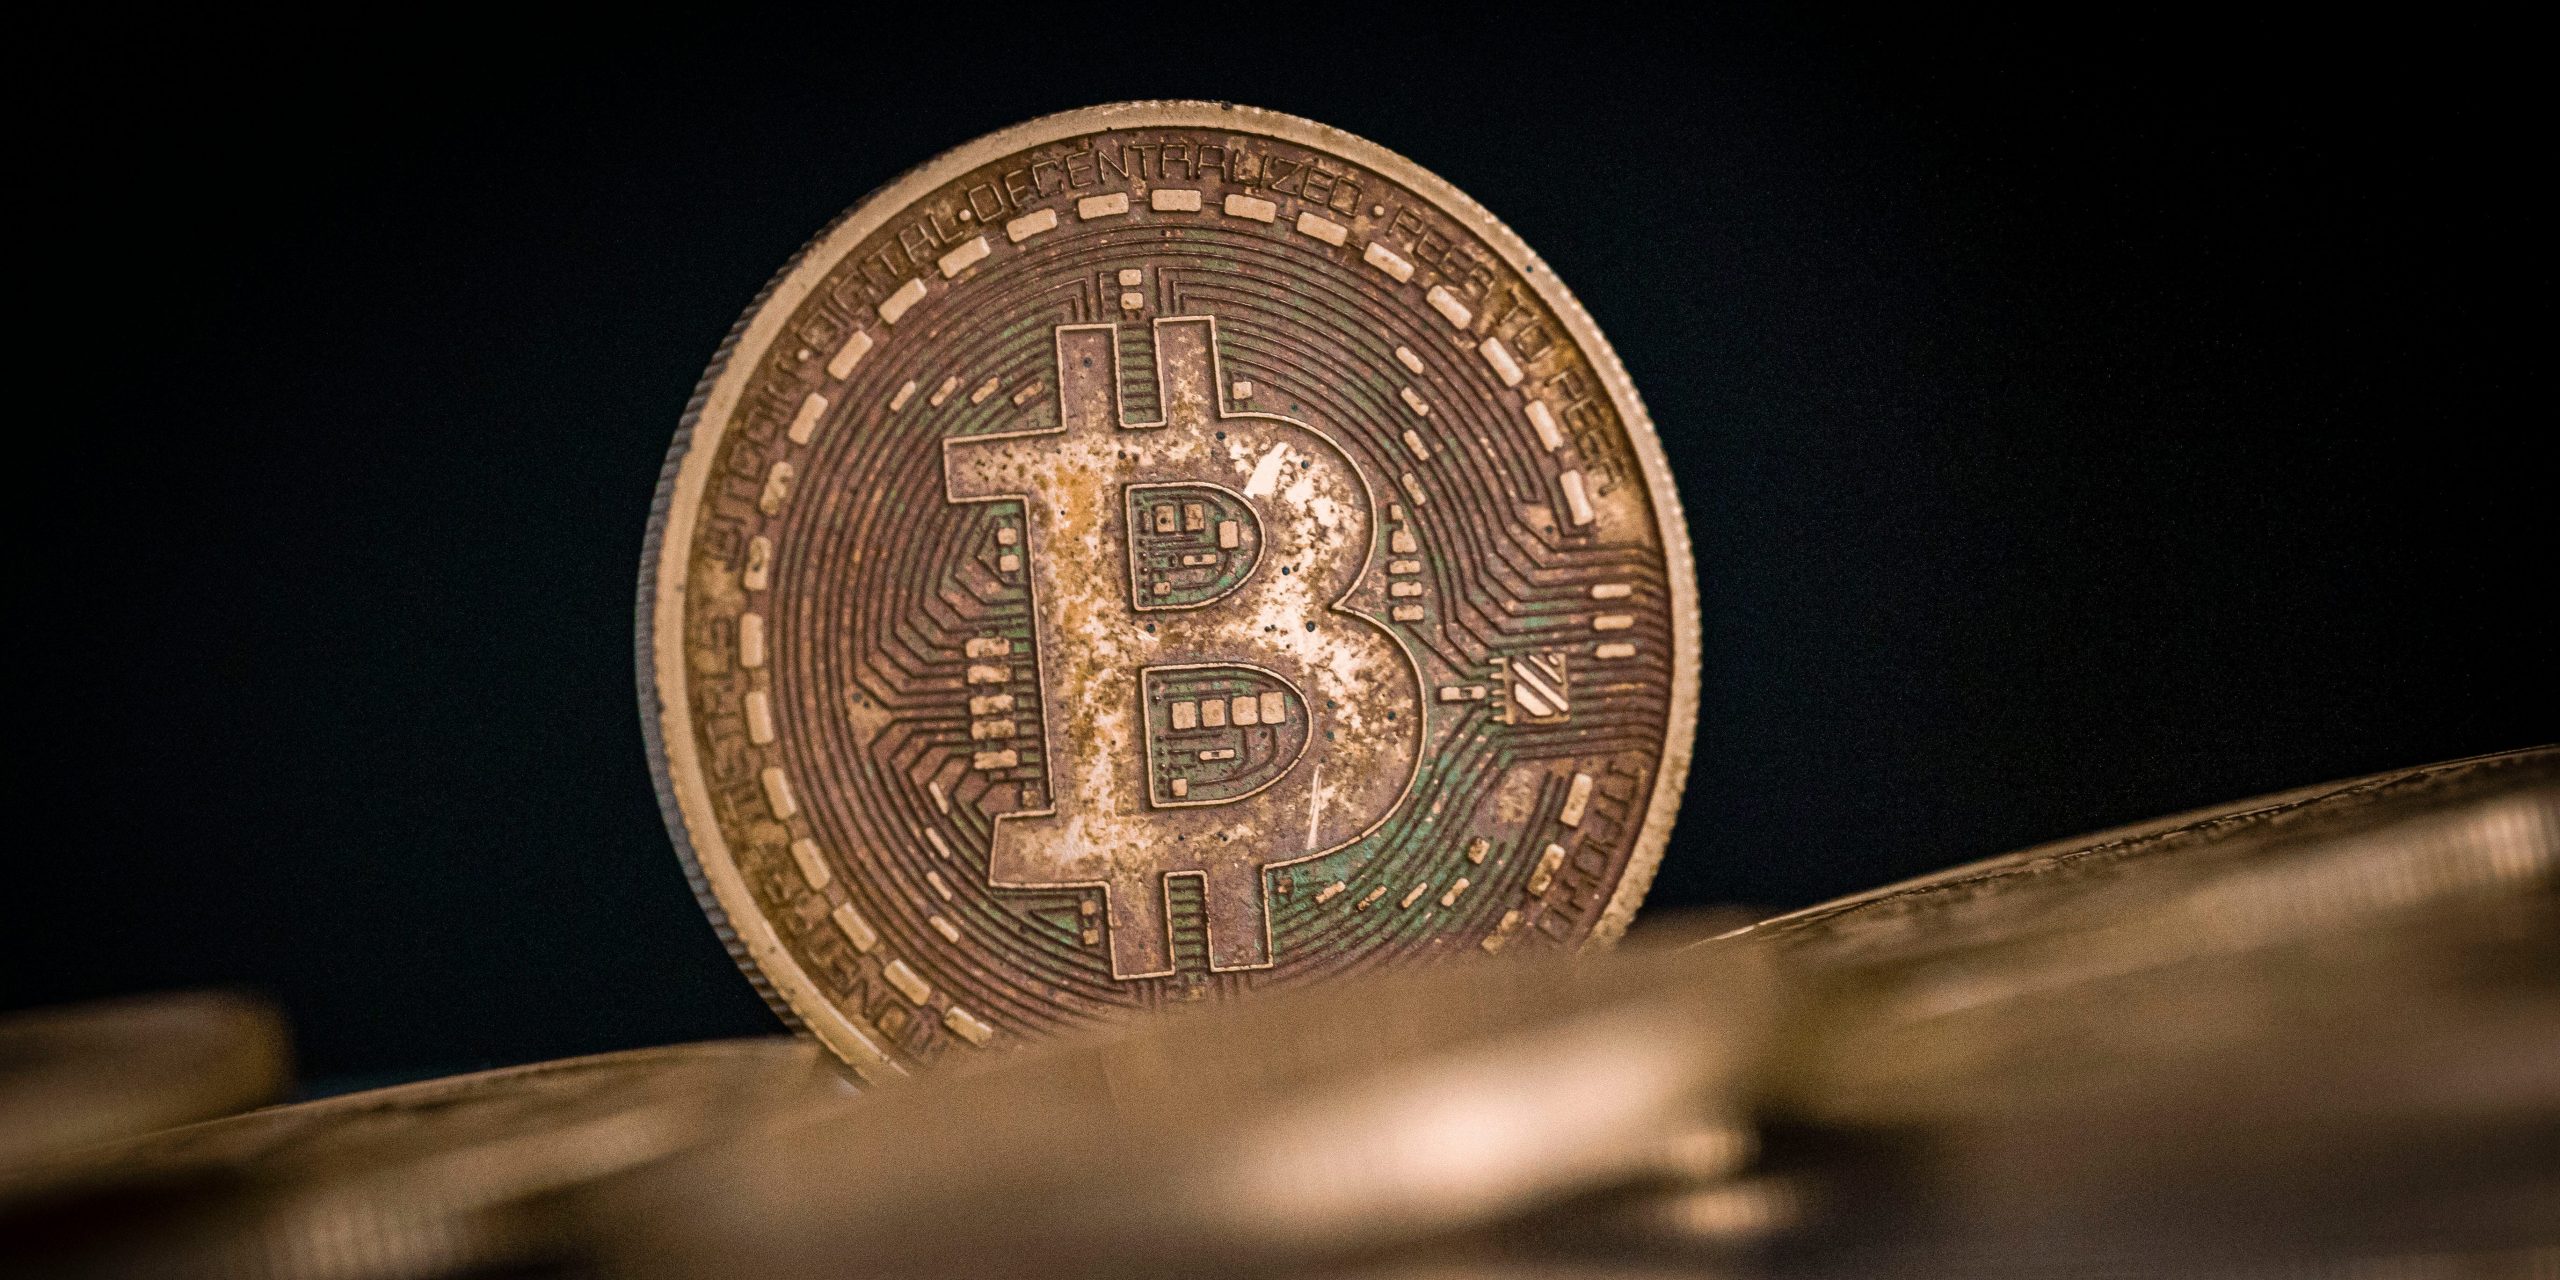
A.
x: 2074, y: 425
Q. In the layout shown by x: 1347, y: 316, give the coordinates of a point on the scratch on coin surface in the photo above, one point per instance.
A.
x: 1266, y: 473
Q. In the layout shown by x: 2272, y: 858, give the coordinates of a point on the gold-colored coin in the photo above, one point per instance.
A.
x: 1269, y: 1137
x: 1156, y: 552
x: 439, y: 1177
x: 666, y: 1090
x: 74, y: 1078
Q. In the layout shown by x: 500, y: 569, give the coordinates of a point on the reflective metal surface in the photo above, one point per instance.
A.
x: 2317, y: 1034
x: 1157, y: 553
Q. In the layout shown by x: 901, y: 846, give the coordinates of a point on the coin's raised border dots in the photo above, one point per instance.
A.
x: 855, y: 929
x: 849, y: 355
x: 1325, y: 229
x: 969, y: 253
x: 760, y: 717
x: 1499, y: 356
x: 804, y: 423
x: 1447, y: 304
x: 909, y: 984
x: 967, y: 1026
x: 1174, y: 200
x: 1388, y: 260
x: 1543, y: 421
x: 895, y: 307
x: 1577, y: 500
x: 751, y: 640
x: 1110, y: 206
x: 777, y: 488
x: 1577, y: 798
x: 813, y: 864
x: 1544, y: 874
x: 1031, y: 224
x: 1252, y: 208
x: 777, y: 794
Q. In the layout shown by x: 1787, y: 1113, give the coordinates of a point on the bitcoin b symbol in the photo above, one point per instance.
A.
x: 1211, y: 708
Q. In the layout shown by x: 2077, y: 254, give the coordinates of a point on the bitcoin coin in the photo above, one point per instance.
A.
x: 1153, y: 553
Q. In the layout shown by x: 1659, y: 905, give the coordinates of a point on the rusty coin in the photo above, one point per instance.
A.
x: 1151, y: 553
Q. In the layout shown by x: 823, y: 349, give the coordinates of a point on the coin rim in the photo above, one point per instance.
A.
x: 666, y: 722
x: 2223, y: 823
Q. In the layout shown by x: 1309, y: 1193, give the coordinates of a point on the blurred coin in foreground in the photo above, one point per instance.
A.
x: 72, y: 1078
x: 1265, y: 1134
x: 440, y: 1177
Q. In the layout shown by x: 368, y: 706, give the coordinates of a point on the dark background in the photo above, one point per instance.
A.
x: 2075, y: 425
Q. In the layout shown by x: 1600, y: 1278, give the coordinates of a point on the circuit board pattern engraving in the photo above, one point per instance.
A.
x: 1153, y: 553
